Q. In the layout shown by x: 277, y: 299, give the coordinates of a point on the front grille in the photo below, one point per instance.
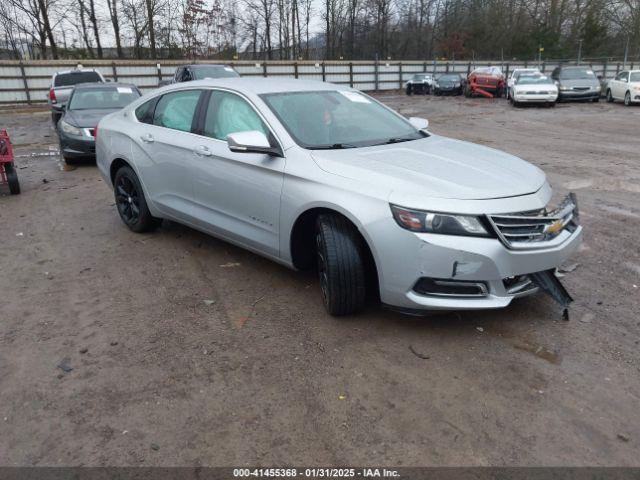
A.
x: 531, y: 229
x: 580, y: 89
x: 537, y: 93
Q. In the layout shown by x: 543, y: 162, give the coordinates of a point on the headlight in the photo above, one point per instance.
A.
x: 457, y: 84
x: 562, y: 87
x: 70, y: 129
x: 442, y: 223
x: 598, y: 88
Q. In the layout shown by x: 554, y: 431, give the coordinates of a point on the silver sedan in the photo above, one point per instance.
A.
x: 315, y: 175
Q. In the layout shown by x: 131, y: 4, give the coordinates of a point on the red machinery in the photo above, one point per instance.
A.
x: 487, y: 81
x: 8, y: 172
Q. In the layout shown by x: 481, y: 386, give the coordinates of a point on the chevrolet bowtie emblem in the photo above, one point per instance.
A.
x: 554, y: 227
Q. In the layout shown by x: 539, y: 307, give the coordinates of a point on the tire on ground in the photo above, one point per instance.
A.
x: 341, y: 264
x: 12, y: 178
x: 145, y: 221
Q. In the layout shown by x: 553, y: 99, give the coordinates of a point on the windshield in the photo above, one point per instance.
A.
x: 421, y: 77
x: 534, y: 80
x: 577, y: 74
x: 338, y: 119
x: 103, y: 98
x: 72, y: 78
x: 214, y: 72
x: 449, y: 78
x: 635, y: 77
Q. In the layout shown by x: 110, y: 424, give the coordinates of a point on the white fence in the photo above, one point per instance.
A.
x: 28, y: 82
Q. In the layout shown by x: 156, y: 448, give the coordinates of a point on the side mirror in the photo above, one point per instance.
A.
x: 419, y: 123
x: 252, y: 141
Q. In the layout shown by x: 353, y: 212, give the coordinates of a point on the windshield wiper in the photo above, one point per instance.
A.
x: 396, y: 140
x: 335, y: 146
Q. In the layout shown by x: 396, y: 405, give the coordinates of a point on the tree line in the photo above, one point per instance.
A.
x: 324, y: 29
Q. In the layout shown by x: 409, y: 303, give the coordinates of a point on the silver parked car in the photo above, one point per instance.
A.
x: 314, y: 174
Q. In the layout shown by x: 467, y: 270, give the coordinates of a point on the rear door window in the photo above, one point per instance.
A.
x: 176, y: 110
x: 71, y: 78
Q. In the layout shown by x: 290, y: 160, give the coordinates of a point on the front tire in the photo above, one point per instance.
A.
x: 131, y: 203
x: 627, y: 99
x: 341, y: 266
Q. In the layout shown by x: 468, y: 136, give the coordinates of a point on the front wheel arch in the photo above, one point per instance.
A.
x: 302, y: 245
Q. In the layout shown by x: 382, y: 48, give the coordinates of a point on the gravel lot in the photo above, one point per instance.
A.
x: 186, y: 350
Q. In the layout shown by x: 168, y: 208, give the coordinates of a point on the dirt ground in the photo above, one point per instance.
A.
x: 186, y: 350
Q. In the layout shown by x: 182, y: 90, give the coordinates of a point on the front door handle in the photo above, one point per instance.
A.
x: 203, y: 151
x: 147, y: 138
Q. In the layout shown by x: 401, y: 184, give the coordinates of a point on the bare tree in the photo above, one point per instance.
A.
x: 115, y: 22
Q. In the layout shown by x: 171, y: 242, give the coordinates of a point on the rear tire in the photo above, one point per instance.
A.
x: 131, y: 203
x: 12, y: 178
x: 341, y: 266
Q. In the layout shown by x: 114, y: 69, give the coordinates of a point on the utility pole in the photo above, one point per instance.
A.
x: 579, y: 51
x: 540, y: 50
x: 626, y: 53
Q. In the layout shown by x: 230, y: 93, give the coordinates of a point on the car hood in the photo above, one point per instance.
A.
x: 435, y: 167
x: 87, y: 118
x: 586, y: 82
x: 545, y: 87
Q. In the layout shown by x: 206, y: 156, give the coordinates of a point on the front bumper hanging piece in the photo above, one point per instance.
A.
x: 550, y: 284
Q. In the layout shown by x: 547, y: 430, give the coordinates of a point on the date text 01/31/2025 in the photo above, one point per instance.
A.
x: 315, y: 473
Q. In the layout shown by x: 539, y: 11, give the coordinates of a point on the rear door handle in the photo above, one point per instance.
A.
x: 147, y: 138
x: 203, y: 151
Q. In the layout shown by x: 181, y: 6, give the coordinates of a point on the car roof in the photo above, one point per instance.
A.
x: 260, y: 85
x: 102, y: 86
x: 199, y: 65
x: 75, y: 70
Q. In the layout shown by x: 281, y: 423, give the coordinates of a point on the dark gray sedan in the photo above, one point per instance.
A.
x: 88, y: 103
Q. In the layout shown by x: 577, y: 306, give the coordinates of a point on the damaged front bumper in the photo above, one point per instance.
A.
x: 444, y: 272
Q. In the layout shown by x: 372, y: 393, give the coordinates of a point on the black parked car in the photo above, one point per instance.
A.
x: 449, y: 84
x: 576, y: 83
x: 88, y: 103
x: 200, y: 71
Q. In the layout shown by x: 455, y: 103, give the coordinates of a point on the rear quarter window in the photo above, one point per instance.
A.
x: 71, y: 78
x: 144, y: 113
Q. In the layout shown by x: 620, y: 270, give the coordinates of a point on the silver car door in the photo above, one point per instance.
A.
x: 238, y: 194
x: 162, y: 149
